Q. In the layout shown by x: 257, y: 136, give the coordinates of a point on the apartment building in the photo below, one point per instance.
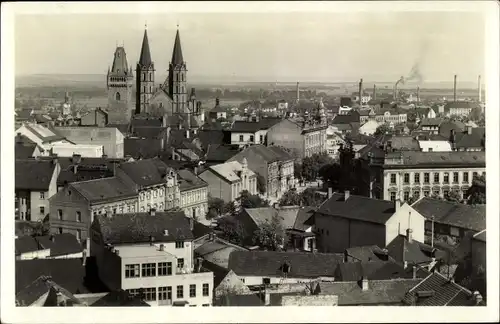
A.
x: 110, y: 138
x: 227, y: 180
x: 252, y: 131
x: 194, y: 194
x: 151, y: 254
x: 408, y: 173
x: 44, y: 137
x: 388, y: 117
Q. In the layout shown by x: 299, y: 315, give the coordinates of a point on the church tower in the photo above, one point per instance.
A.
x: 177, y: 79
x: 145, y: 77
x: 120, y: 80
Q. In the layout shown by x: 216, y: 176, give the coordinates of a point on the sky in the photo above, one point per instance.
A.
x: 261, y: 46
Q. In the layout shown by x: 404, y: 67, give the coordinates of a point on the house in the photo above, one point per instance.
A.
x: 367, y: 292
x: 369, y: 127
x: 334, y: 140
x: 44, y: 292
x: 365, y: 253
x: 344, y: 221
x: 437, y: 290
x: 231, y: 284
x: 44, y: 137
x: 151, y: 253
x: 227, y: 180
x: 422, y: 113
x: 27, y: 248
x: 217, y: 112
x: 391, y: 117
x: 273, y: 163
x: 25, y: 148
x: 300, y: 137
x: 472, y: 139
x: 257, y: 268
x: 430, y: 125
x: 253, y: 131
x: 451, y: 218
x: 35, y: 183
x: 405, y: 250
x: 77, y: 168
x: 193, y: 194
x: 143, y: 148
x: 377, y: 270
x: 109, y: 137
x: 459, y: 108
x: 97, y: 117
x: 60, y: 246
x: 220, y: 153
x: 435, y: 146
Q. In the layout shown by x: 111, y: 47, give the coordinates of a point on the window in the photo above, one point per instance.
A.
x: 150, y: 294
x: 407, y: 178
x: 131, y: 271
x: 60, y: 230
x: 180, y: 263
x: 455, y: 177
x: 435, y: 192
x: 406, y: 195
x: 466, y: 177
x: 179, y: 244
x: 445, y: 193
x: 133, y: 292
x: 426, y: 177
x: 430, y: 149
x: 464, y: 195
x: 164, y: 268
x: 446, y: 178
x: 192, y: 291
x: 42, y: 210
x: 241, y: 138
x: 251, y: 138
x: 148, y: 195
x: 261, y: 138
x: 416, y: 177
x: 114, y: 211
x: 180, y: 292
x: 141, y: 195
x: 454, y: 231
x: 426, y: 193
x: 78, y: 235
x: 393, y: 178
x: 206, y: 291
x: 416, y: 194
x: 117, y: 96
x: 436, y: 177
x: 165, y: 293
x: 149, y: 269
x: 78, y: 216
x: 42, y: 195
x: 393, y: 196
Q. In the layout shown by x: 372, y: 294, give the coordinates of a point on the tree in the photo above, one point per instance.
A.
x: 41, y: 228
x: 247, y: 200
x: 297, y: 171
x: 216, y: 204
x: 453, y: 196
x: 331, y: 173
x: 311, y: 165
x: 475, y: 114
x: 231, y: 229
x: 310, y: 197
x: 411, y: 200
x: 270, y: 235
x: 290, y: 198
x: 382, y: 129
x: 261, y: 184
x: 477, y: 192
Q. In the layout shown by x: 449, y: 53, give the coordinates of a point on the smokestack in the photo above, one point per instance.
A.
x: 418, y: 94
x: 455, y: 88
x: 360, y: 90
x: 479, y: 87
x: 298, y: 92
x: 374, y: 92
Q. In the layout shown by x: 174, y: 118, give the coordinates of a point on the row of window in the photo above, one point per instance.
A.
x: 115, y: 209
x: 193, y: 196
x: 314, y: 138
x: 436, y: 177
x: 165, y: 293
x: 427, y: 193
x: 150, y: 76
x: 252, y: 138
x: 152, y: 269
x: 151, y: 193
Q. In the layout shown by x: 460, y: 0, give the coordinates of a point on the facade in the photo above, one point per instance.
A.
x: 97, y: 117
x: 416, y: 174
x: 120, y: 80
x: 388, y: 117
x: 194, y: 194
x: 226, y: 181
x: 68, y: 150
x: 253, y: 131
x: 35, y: 183
x: 217, y: 112
x: 110, y: 138
x: 369, y: 127
x: 333, y: 142
x: 459, y: 108
x: 151, y: 253
x: 434, y: 146
x: 346, y: 221
x: 273, y: 163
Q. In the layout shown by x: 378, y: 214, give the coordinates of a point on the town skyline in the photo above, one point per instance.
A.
x: 391, y: 41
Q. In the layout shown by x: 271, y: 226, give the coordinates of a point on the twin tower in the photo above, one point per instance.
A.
x: 170, y: 98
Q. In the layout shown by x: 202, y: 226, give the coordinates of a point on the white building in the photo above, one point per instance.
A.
x: 434, y: 146
x: 369, y: 127
x: 42, y: 136
x: 68, y: 150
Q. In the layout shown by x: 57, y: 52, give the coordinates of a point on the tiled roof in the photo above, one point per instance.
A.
x: 189, y: 181
x: 241, y: 126
x: 303, y: 214
x: 62, y: 244
x: 454, y: 214
x: 358, y: 208
x: 120, y: 298
x: 104, y: 189
x: 69, y: 273
x: 379, y: 291
x: 25, y: 244
x: 208, y: 137
x: 217, y: 251
x: 268, y: 263
x: 153, y: 132
x: 123, y: 128
x: 34, y: 174
x: 365, y: 253
x: 474, y: 140
x: 177, y: 58
x: 375, y: 270
x: 142, y: 147
x: 401, y: 250
x: 250, y: 300
x: 146, y: 172
x: 41, y: 286
x: 460, y: 104
x: 270, y: 153
x: 230, y: 170
x: 442, y: 291
x: 431, y: 122
x: 446, y: 127
x: 464, y: 158
x: 143, y: 121
x: 221, y: 153
x: 140, y: 227
x: 145, y: 57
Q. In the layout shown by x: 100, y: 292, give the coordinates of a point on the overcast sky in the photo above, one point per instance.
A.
x: 259, y: 46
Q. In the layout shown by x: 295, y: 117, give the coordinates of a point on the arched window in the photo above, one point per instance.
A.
x: 150, y: 76
x: 118, y: 96
x: 144, y: 77
x: 161, y: 106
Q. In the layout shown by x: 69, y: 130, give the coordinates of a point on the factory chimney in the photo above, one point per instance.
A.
x: 298, y: 93
x: 455, y: 88
x: 360, y: 91
x: 479, y: 88
x: 418, y: 94
x: 374, y: 92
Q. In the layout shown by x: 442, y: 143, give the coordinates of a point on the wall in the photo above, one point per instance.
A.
x: 36, y: 201
x: 91, y: 151
x: 109, y: 137
x: 288, y: 135
x: 435, y: 146
x: 94, y: 118
x: 402, y: 220
x: 255, y: 162
x: 69, y: 204
x: 217, y: 187
x: 39, y: 254
x: 195, y: 199
x: 259, y: 280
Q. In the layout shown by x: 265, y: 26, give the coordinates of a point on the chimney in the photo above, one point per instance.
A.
x: 267, y: 298
x: 477, y: 297
x: 418, y: 94
x: 52, y: 238
x: 468, y: 128
x: 199, y: 262
x: 455, y: 88
x: 330, y: 192
x: 479, y: 88
x: 360, y: 90
x: 364, y: 283
x: 347, y: 193
x: 187, y: 132
x: 414, y: 272
x: 191, y: 224
x: 162, y: 247
x: 152, y: 212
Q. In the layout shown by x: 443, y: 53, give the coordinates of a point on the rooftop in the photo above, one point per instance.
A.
x: 103, y: 189
x: 60, y: 244
x: 38, y: 288
x: 146, y: 172
x: 35, y: 175
x: 221, y: 152
x: 230, y: 170
x: 187, y: 180
x: 430, y: 159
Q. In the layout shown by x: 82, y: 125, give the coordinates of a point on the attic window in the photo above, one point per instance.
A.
x: 69, y: 192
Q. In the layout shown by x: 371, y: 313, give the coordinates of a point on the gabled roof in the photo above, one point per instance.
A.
x: 120, y: 65
x: 358, y: 208
x: 270, y: 263
x: 481, y: 236
x: 474, y: 140
x: 460, y: 104
x: 230, y: 170
x: 455, y: 158
x: 24, y: 151
x: 146, y: 172
x: 119, y: 298
x: 242, y: 126
x: 34, y: 175
x: 187, y: 180
x: 431, y: 122
x: 374, y: 270
x: 442, y: 291
x: 403, y: 251
x: 365, y: 253
x: 268, y: 153
x: 455, y: 214
x: 60, y: 244
x: 41, y: 286
x: 379, y: 291
x: 25, y: 244
x: 103, y: 189
x: 142, y: 147
x: 217, y: 251
x: 208, y: 137
x: 145, y: 58
x: 149, y: 131
x: 221, y: 152
x: 140, y: 227
x: 446, y: 126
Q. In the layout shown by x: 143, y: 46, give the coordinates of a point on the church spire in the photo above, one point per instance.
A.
x: 145, y: 58
x: 177, y: 58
